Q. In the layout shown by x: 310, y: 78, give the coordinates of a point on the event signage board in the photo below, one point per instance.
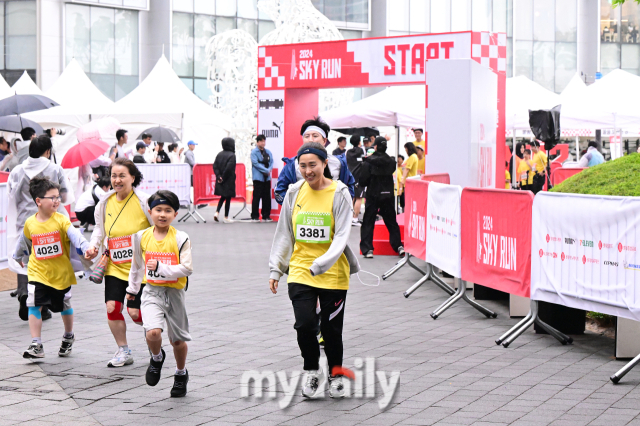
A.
x: 496, y: 239
x: 173, y: 177
x: 585, y: 252
x: 415, y: 217
x: 443, y: 227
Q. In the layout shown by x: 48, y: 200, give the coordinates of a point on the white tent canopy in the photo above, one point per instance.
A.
x: 162, y: 99
x: 611, y: 102
x: 26, y: 86
x: 523, y: 95
x: 394, y: 106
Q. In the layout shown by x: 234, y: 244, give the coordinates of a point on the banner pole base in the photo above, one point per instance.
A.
x: 624, y: 370
x: 461, y: 294
x: 531, y: 318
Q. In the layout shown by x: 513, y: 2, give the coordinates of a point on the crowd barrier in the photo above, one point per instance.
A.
x: 204, y: 186
x: 560, y: 174
x: 173, y: 177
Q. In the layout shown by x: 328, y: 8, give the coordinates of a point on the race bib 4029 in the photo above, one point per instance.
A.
x: 313, y: 227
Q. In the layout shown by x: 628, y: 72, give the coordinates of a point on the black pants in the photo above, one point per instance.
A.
x: 304, y: 299
x: 87, y: 215
x: 226, y: 207
x: 384, y: 207
x: 261, y: 192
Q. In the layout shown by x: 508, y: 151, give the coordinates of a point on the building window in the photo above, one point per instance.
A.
x: 18, y: 33
x: 196, y: 21
x: 619, y: 38
x: 104, y: 41
x: 347, y: 14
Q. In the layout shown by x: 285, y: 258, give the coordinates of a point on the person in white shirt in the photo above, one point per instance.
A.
x: 86, y: 204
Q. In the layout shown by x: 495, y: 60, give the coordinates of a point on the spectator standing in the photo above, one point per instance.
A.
x: 342, y: 146
x: 224, y: 168
x: 262, y: 164
x: 377, y: 177
x: 141, y: 149
x: 592, y: 157
x: 354, y: 161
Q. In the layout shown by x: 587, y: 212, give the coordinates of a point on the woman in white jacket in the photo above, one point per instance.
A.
x: 120, y: 214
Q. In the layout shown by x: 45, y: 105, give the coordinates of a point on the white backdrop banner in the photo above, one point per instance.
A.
x: 443, y: 227
x: 174, y: 177
x: 585, y: 252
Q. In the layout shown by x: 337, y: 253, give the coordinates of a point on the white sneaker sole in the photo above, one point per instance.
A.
x: 120, y: 364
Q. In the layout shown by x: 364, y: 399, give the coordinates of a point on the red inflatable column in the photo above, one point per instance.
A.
x: 299, y: 105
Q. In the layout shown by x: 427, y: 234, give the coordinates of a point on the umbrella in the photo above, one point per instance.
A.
x: 15, y: 123
x: 359, y: 131
x: 84, y: 152
x: 161, y: 134
x: 20, y: 104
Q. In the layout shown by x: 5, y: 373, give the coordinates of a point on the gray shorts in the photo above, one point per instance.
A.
x: 162, y: 305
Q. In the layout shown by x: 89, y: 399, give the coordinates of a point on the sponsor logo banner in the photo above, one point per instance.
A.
x: 597, y: 268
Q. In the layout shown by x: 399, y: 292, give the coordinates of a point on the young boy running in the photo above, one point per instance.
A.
x: 48, y: 235
x: 164, y: 255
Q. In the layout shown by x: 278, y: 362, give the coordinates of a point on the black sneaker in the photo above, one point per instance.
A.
x: 179, y: 388
x: 23, y: 312
x: 154, y: 370
x: 46, y: 314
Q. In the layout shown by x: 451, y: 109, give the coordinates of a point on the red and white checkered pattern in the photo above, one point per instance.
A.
x: 268, y: 71
x: 490, y: 50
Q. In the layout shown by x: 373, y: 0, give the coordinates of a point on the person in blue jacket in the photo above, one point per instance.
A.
x: 262, y: 163
x: 314, y: 130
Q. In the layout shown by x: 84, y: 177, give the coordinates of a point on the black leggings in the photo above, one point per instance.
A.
x: 226, y: 207
x: 304, y: 299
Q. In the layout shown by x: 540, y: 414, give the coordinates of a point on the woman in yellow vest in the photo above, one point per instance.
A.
x: 310, y: 245
x: 121, y: 213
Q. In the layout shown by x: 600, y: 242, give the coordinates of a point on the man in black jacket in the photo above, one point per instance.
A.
x: 377, y: 176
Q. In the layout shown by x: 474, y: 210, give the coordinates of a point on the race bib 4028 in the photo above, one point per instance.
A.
x: 313, y: 227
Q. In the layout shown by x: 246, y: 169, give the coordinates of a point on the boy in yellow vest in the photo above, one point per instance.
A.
x: 164, y: 255
x: 48, y: 236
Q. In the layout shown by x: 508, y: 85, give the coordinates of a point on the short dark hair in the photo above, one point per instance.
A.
x: 167, y: 195
x: 26, y: 133
x: 593, y: 144
x: 411, y: 148
x: 341, y: 138
x: 120, y: 133
x: 415, y: 130
x: 104, y: 181
x: 39, y: 186
x: 316, y: 121
x: 130, y: 165
x: 143, y: 137
x: 39, y: 146
x: 261, y: 138
x: 355, y: 140
x: 318, y: 146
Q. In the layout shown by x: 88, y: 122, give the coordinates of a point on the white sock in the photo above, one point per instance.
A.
x: 158, y: 357
x: 181, y: 372
x: 37, y: 340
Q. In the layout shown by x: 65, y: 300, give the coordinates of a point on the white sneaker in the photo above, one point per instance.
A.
x: 121, y: 358
x: 355, y: 222
x: 313, y: 382
x: 336, y: 387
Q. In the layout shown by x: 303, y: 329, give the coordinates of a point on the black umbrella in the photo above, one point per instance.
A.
x: 161, y: 134
x: 14, y: 123
x: 359, y: 131
x: 21, y: 104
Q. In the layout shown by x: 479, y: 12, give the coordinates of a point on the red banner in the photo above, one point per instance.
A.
x: 415, y: 217
x: 496, y: 239
x: 204, y: 184
x: 437, y: 177
x: 561, y: 174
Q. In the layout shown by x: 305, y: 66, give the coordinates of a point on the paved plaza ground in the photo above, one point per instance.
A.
x: 451, y: 371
